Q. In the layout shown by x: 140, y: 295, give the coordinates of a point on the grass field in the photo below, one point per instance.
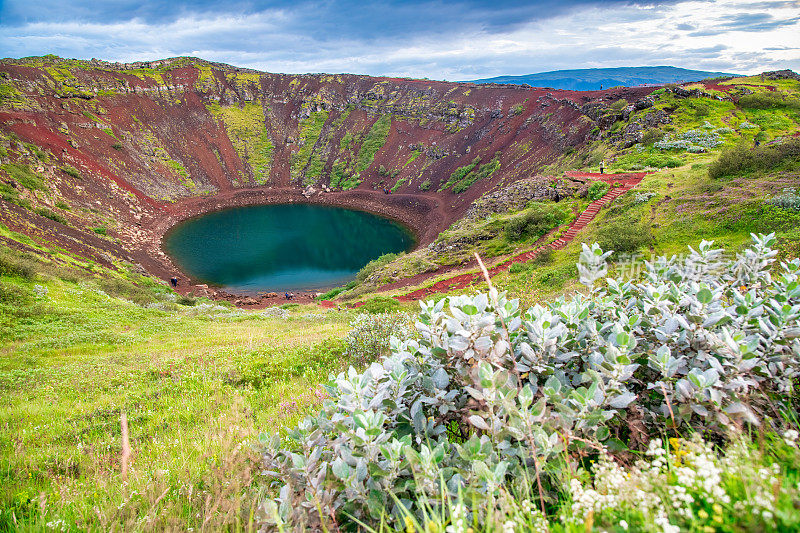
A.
x: 197, y: 387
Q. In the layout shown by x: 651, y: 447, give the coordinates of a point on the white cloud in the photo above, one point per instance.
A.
x: 690, y: 34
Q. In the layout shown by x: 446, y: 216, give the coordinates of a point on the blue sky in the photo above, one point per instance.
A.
x: 440, y: 39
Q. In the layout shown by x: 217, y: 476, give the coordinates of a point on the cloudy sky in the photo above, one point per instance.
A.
x: 441, y: 39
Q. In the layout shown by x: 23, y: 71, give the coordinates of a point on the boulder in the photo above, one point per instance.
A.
x: 626, y: 113
x: 656, y: 117
x: 643, y: 103
x: 608, y: 120
x: 633, y: 134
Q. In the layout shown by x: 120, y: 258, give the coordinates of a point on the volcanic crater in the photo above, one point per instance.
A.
x: 136, y: 148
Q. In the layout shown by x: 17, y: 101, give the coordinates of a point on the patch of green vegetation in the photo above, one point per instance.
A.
x: 535, y: 221
x: 90, y: 116
x: 10, y: 194
x: 100, y: 230
x: 310, y: 130
x: 597, y: 190
x: 71, y: 171
x: 380, y: 304
x: 769, y: 100
x: 399, y: 183
x: 333, y: 293
x: 117, y: 146
x: 483, y: 172
x: 646, y: 159
x: 22, y: 174
x: 177, y: 167
x: 346, y: 141
x: 760, y: 218
x: 205, y: 77
x: 374, y: 141
x: 336, y: 124
x: 744, y: 159
x: 147, y: 74
x: 459, y: 174
x: 624, y: 236
x: 46, y: 213
x: 341, y: 177
x: 246, y: 128
x: 691, y: 113
x: 425, y: 185
x: 315, y: 167
x: 538, y: 278
x: 414, y: 155
x: 11, y: 97
x: 619, y: 105
x: 368, y: 269
x: 17, y: 264
x: 40, y: 154
x: 63, y: 205
x: 463, y: 177
x: 773, y: 123
x: 110, y: 132
x: 61, y: 74
x: 244, y: 78
x: 336, y: 291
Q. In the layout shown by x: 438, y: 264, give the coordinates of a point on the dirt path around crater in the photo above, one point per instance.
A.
x: 621, y: 183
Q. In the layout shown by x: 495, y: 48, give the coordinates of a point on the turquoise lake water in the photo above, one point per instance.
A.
x: 282, y: 247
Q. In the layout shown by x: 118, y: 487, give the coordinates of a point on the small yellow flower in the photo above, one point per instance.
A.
x: 702, y: 514
x: 717, y: 508
x: 409, y: 524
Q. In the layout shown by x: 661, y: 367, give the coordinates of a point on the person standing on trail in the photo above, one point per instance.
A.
x: 602, y: 165
x: 173, y: 281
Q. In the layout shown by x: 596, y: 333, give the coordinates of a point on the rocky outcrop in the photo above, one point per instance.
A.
x: 782, y: 75
x: 518, y: 195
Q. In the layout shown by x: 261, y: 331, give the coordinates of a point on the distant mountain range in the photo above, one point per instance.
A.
x: 587, y: 79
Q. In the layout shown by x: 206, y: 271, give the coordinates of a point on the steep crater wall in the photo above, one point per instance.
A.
x: 135, y: 148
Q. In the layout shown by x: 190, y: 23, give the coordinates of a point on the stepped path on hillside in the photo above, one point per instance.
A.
x: 621, y: 183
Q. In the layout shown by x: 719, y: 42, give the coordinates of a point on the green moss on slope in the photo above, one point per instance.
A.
x: 310, y: 130
x: 373, y: 142
x: 247, y: 131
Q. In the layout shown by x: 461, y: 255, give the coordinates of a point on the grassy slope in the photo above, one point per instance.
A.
x: 684, y: 204
x: 199, y: 386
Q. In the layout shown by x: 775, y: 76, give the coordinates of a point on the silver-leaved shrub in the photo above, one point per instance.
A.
x: 370, y: 333
x: 490, y: 397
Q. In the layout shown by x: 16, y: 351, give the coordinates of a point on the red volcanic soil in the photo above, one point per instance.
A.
x: 151, y: 147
